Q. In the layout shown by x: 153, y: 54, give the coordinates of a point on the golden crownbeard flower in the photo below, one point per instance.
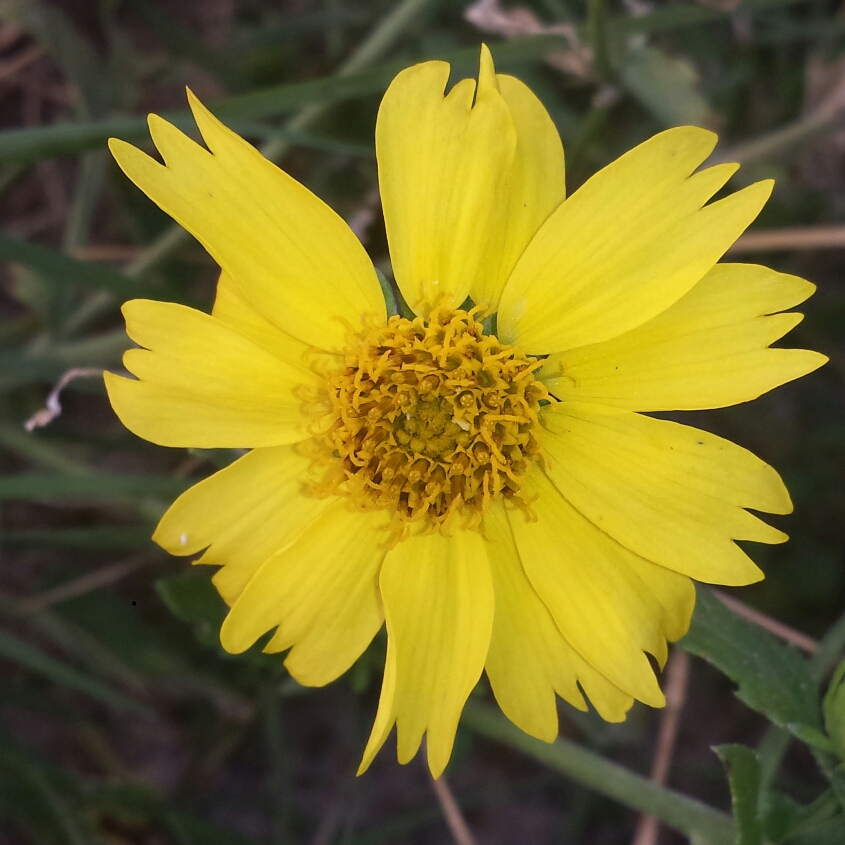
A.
x: 496, y: 497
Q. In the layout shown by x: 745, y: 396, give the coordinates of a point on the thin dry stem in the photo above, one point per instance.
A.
x: 792, y: 636
x: 677, y: 677
x: 86, y: 583
x: 452, y: 813
x: 9, y: 68
x: 790, y: 238
x: 52, y: 407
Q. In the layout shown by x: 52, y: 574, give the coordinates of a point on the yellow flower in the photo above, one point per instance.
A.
x: 498, y: 499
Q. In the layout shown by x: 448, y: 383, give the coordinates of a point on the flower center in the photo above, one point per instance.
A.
x: 434, y: 416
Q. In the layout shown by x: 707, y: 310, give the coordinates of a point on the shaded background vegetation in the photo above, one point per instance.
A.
x: 121, y: 720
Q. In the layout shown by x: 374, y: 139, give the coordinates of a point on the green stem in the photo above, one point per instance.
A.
x: 685, y: 814
x: 774, y: 144
x: 92, y: 170
x: 278, y: 775
x: 597, y: 34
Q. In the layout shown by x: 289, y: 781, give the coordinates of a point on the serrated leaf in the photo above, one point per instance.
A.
x: 812, y: 737
x: 743, y: 767
x: 666, y: 87
x: 773, y: 678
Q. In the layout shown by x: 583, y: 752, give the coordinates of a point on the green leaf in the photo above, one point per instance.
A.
x: 666, y: 87
x: 111, y: 537
x: 25, y: 654
x: 787, y: 821
x: 191, y: 597
x: 812, y: 737
x: 743, y: 767
x: 50, y: 487
x: 773, y: 678
x: 387, y: 292
x: 834, y: 711
x: 62, y: 268
x: 831, y: 832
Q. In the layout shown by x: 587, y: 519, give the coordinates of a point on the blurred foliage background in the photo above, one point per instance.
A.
x: 121, y: 720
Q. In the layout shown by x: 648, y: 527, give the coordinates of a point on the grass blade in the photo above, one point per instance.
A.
x: 29, y: 656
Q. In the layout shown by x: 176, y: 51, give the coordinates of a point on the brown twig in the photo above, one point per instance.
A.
x: 12, y: 66
x: 9, y: 35
x: 792, y: 636
x: 677, y: 676
x: 452, y: 812
x: 791, y: 238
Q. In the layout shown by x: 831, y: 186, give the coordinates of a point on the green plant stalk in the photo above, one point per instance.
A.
x: 685, y: 814
x: 597, y: 33
x: 780, y: 141
x: 92, y: 170
x: 277, y: 763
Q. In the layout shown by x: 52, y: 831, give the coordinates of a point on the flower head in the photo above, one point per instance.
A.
x: 495, y: 496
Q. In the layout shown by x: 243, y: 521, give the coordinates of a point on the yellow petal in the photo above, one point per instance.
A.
x: 443, y: 164
x: 673, y: 494
x: 610, y: 702
x: 709, y: 350
x: 536, y: 185
x: 594, y: 590
x: 626, y: 245
x: 242, y: 515
x: 438, y: 606
x: 386, y: 714
x: 233, y: 309
x: 290, y: 255
x: 529, y: 660
x: 203, y: 384
x: 321, y: 592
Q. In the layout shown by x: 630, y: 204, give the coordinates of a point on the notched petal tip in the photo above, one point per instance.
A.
x: 487, y: 82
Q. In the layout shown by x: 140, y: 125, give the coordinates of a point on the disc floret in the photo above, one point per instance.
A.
x: 433, y: 416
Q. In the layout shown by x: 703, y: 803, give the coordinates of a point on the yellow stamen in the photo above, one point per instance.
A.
x: 432, y: 417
